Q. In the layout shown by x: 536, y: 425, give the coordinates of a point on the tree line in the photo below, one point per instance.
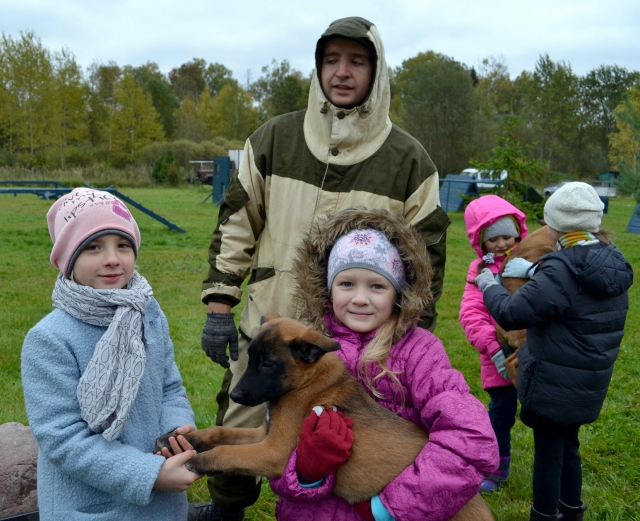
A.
x: 55, y: 115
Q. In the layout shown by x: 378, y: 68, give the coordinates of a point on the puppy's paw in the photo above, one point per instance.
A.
x: 199, y: 465
x: 163, y: 441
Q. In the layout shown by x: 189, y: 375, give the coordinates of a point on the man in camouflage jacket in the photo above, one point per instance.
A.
x: 342, y: 151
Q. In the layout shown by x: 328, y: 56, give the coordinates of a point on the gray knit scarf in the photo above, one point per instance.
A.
x: 110, y: 383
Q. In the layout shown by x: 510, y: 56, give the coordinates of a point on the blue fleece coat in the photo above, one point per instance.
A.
x: 81, y: 475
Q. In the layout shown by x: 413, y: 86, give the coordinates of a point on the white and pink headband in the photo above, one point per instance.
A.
x: 369, y: 249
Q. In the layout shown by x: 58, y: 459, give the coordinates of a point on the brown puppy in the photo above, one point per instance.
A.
x: 291, y: 368
x: 532, y: 247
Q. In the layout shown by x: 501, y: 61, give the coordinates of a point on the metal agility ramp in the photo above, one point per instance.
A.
x: 55, y: 189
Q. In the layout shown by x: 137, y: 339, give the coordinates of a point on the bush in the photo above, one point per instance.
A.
x: 167, y: 169
x: 553, y: 178
x: 174, y: 174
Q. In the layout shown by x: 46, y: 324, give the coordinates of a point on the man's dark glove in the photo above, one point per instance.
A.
x: 220, y: 330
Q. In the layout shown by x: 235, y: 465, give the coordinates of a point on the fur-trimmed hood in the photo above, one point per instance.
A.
x: 310, y: 266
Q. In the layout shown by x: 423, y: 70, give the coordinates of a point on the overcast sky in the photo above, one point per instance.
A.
x: 245, y: 35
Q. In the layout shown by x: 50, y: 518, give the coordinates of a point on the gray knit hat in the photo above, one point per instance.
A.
x: 573, y: 207
x: 505, y: 226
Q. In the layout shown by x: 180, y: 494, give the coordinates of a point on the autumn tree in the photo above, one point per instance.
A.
x: 164, y: 100
x: 136, y: 123
x: 494, y: 96
x: 550, y: 104
x: 123, y: 119
x: 187, y: 81
x: 217, y: 76
x: 437, y: 107
x: 8, y: 101
x: 231, y: 114
x: 69, y: 102
x: 279, y: 90
x: 601, y: 91
x: 190, y: 124
x: 625, y: 143
x: 27, y: 111
x: 103, y: 81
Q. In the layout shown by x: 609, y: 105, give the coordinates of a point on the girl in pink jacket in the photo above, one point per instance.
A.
x: 363, y: 279
x: 494, y: 227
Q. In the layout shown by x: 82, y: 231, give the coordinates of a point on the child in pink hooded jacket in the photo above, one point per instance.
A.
x: 363, y: 279
x: 494, y: 227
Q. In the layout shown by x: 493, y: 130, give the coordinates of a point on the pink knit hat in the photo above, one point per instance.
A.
x: 83, y: 215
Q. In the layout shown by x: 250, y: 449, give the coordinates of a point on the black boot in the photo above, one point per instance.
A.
x: 572, y: 513
x: 213, y: 512
x: 537, y: 516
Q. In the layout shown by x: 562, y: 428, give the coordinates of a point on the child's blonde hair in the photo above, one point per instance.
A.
x: 377, y: 353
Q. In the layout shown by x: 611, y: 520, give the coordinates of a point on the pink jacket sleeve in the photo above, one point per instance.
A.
x: 288, y: 487
x: 462, y: 447
x: 475, y: 319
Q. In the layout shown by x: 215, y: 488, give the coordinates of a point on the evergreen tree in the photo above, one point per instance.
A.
x: 514, y: 157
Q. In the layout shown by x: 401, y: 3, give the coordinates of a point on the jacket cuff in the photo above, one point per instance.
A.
x: 379, y: 511
x: 221, y: 293
x: 311, y: 485
x: 221, y: 299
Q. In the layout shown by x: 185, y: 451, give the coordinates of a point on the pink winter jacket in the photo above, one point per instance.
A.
x: 462, y: 448
x: 477, y: 323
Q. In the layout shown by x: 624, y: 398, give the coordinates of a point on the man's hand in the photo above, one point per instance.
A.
x: 485, y: 279
x: 518, y: 268
x: 220, y: 330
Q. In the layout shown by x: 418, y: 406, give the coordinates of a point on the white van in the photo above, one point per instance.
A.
x: 486, y: 178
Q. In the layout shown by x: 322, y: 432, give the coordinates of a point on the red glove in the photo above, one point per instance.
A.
x: 364, y: 509
x: 325, y: 444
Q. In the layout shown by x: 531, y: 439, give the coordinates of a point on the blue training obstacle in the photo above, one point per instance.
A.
x: 453, y: 188
x: 60, y: 189
x: 634, y: 222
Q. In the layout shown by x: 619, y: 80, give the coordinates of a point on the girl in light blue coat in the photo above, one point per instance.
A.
x: 99, y: 377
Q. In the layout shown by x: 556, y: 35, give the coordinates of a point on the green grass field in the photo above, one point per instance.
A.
x: 175, y: 265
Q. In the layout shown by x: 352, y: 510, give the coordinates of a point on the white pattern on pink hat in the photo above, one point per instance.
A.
x: 82, y: 214
x: 369, y: 249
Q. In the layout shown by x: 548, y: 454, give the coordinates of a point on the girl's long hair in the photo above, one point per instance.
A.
x: 377, y: 353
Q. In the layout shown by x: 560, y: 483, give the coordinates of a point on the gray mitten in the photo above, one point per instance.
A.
x: 485, y: 279
x: 220, y: 330
x: 498, y: 360
x: 519, y: 268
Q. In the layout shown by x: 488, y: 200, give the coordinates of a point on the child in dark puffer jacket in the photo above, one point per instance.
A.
x: 574, y: 309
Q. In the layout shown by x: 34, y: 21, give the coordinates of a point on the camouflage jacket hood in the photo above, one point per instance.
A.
x: 310, y: 266
x: 348, y: 136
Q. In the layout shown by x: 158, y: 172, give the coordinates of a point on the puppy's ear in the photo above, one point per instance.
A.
x: 266, y: 318
x: 310, y: 346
